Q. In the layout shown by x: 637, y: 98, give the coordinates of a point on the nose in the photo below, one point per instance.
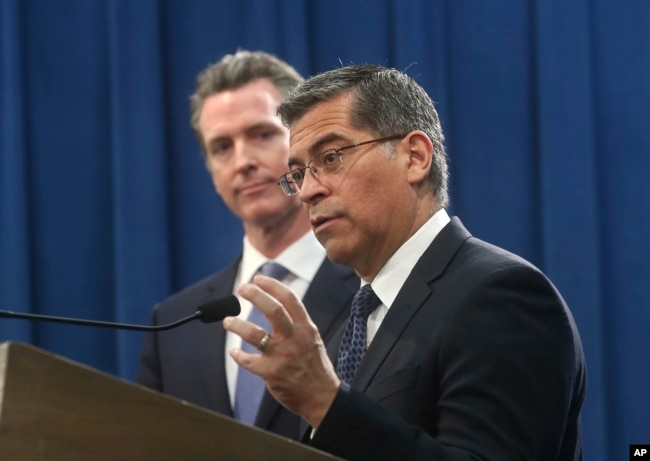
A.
x: 313, y: 189
x: 245, y: 156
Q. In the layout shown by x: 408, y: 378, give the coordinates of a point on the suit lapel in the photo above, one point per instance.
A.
x: 413, y: 294
x: 329, y: 297
x: 212, y: 337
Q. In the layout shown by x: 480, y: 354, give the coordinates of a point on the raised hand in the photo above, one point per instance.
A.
x: 293, y: 361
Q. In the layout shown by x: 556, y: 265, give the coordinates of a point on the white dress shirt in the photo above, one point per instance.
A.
x: 392, y: 276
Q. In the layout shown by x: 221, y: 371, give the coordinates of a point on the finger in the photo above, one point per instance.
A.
x: 252, y: 362
x: 287, y: 298
x: 248, y: 331
x: 269, y: 306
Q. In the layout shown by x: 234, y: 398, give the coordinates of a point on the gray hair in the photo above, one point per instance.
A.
x: 234, y: 71
x: 385, y: 102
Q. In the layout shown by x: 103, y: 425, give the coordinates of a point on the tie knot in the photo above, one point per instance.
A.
x: 365, y: 301
x: 275, y: 270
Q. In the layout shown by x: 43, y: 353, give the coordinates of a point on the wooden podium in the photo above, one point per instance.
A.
x: 54, y: 409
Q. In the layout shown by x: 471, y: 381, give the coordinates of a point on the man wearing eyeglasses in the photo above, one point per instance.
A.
x: 455, y: 349
x: 245, y: 148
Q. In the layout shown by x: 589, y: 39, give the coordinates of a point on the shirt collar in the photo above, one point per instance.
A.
x: 302, y: 258
x: 394, y: 273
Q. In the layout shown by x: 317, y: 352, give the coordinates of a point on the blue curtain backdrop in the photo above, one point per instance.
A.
x: 106, y: 208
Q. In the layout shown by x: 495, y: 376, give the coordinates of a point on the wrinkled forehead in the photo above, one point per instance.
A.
x: 326, y: 125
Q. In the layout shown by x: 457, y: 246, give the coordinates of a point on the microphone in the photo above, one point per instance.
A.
x: 214, y: 310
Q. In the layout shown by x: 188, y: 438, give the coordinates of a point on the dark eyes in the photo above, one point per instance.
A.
x: 219, y: 148
x: 329, y: 158
x: 326, y: 160
x: 297, y: 175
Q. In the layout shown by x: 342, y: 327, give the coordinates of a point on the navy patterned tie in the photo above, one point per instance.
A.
x: 353, y: 343
x: 250, y: 387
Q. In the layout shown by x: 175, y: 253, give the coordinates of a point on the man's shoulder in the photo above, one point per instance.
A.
x: 466, y: 247
x: 186, y: 300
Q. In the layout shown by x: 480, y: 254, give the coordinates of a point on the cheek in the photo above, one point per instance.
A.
x: 277, y: 161
x: 216, y: 186
x: 373, y: 203
x: 218, y: 179
x: 364, y: 191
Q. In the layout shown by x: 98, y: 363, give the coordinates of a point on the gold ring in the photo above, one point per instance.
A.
x: 264, y: 342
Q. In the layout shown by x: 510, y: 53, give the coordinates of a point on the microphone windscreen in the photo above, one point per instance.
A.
x: 216, y: 310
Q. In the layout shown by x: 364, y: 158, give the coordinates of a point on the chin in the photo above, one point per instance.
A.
x: 264, y: 213
x: 337, y: 253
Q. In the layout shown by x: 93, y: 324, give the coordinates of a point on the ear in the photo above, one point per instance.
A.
x: 420, y: 156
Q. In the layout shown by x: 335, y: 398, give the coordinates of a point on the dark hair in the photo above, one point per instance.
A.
x: 234, y: 71
x: 384, y: 102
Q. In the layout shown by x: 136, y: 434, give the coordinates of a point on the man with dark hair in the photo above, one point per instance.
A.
x: 455, y: 349
x: 245, y: 148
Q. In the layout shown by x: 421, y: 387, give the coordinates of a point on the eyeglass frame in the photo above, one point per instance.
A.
x: 285, y: 183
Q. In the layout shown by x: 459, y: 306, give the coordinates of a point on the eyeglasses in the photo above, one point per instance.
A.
x: 326, y: 163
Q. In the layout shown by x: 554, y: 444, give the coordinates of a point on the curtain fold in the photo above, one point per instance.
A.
x: 569, y: 208
x: 106, y: 206
x: 621, y: 71
x: 137, y: 127
x: 15, y: 253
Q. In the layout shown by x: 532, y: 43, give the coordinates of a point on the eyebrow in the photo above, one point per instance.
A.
x: 247, y: 130
x: 317, y: 147
x: 262, y: 125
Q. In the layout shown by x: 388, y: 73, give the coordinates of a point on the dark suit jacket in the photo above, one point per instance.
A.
x: 188, y: 362
x: 478, y: 358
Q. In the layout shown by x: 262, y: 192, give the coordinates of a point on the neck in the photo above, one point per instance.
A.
x: 271, y: 239
x: 368, y: 269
